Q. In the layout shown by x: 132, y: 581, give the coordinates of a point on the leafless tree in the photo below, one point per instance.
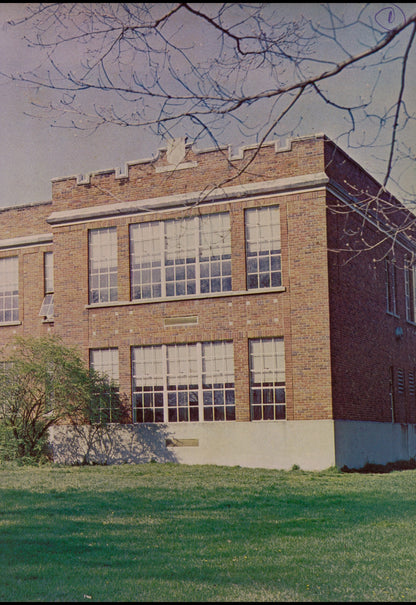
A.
x: 220, y: 72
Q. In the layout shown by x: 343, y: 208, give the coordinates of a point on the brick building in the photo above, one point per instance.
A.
x: 257, y: 318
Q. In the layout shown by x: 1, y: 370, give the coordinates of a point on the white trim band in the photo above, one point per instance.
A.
x: 189, y: 199
x: 27, y: 240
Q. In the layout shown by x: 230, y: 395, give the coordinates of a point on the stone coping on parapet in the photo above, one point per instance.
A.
x: 39, y: 239
x: 217, y: 195
x: 123, y: 173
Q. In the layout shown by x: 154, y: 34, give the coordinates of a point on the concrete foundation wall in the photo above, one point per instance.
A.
x: 279, y: 445
x: 358, y: 443
x: 312, y: 445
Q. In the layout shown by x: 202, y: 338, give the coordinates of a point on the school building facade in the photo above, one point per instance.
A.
x: 262, y: 317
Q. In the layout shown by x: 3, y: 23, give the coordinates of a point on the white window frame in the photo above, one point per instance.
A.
x: 180, y: 257
x: 267, y: 379
x: 263, y: 247
x: 103, y: 265
x: 47, y: 308
x: 146, y: 260
x: 9, y: 289
x: 391, y: 286
x: 218, y: 396
x: 106, y: 362
x: 169, y: 382
x: 214, y: 253
x: 410, y: 292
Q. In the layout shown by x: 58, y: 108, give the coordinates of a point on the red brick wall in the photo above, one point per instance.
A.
x: 363, y: 342
x: 308, y: 306
x: 213, y: 169
x: 24, y: 220
x: 300, y: 314
x: 339, y: 341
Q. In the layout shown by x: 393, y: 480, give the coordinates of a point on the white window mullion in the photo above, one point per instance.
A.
x: 413, y: 293
x: 197, y: 244
x: 200, y: 391
x: 165, y: 382
x: 407, y: 287
x: 133, y: 383
x: 9, y: 289
x: 162, y: 241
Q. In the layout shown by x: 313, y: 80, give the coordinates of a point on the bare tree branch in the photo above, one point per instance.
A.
x: 216, y: 72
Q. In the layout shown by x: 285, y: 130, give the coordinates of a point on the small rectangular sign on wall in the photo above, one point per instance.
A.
x: 172, y: 442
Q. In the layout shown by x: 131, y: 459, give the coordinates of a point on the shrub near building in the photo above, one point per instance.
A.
x: 43, y: 383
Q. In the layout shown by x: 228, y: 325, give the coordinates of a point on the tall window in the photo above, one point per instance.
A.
x: 9, y: 289
x: 263, y: 254
x: 391, y: 287
x: 181, y: 251
x: 267, y: 379
x: 102, y: 265
x: 146, y: 245
x: 47, y: 309
x: 180, y: 257
x: 218, y: 381
x: 215, y: 253
x: 183, y: 383
x: 410, y: 292
x: 149, y: 378
x: 105, y: 361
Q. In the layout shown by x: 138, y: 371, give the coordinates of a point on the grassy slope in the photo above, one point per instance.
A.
x: 156, y: 532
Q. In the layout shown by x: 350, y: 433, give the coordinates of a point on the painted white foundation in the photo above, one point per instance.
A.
x: 279, y: 445
x: 312, y: 445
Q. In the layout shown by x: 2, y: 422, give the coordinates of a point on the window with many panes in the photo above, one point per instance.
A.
x: 9, y: 289
x: 391, y: 286
x: 149, y: 383
x: 263, y: 253
x: 102, y: 265
x: 105, y: 361
x: 183, y: 382
x: 146, y: 245
x: 181, y: 253
x: 214, y: 253
x: 267, y: 379
x: 218, y: 381
x: 47, y: 308
x: 180, y: 257
x: 410, y: 292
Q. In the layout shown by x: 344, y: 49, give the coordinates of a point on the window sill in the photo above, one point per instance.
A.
x: 207, y: 422
x: 165, y: 299
x: 10, y: 323
x: 271, y: 420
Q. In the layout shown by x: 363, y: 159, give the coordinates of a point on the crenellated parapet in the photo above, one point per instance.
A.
x: 180, y: 167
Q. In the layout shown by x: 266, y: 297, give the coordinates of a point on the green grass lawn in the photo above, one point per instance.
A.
x: 156, y: 532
